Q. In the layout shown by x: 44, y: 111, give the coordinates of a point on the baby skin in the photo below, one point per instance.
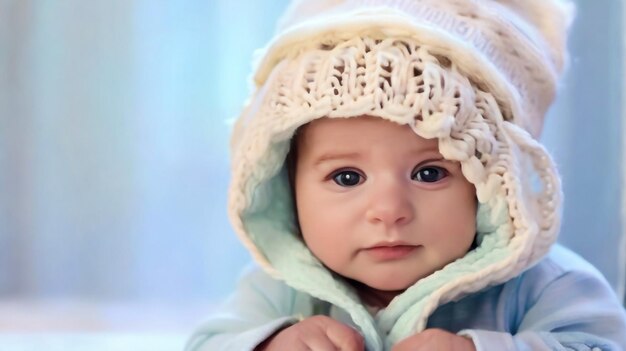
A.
x: 380, y: 206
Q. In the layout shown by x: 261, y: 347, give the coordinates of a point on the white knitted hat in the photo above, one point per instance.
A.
x: 517, y: 48
x: 478, y: 75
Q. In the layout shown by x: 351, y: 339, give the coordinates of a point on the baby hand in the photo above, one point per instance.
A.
x: 435, y: 340
x: 318, y: 333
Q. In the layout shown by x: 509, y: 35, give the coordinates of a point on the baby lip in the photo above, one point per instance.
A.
x: 389, y: 244
x: 390, y: 251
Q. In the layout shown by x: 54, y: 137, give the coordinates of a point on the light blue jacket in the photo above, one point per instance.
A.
x: 562, y: 303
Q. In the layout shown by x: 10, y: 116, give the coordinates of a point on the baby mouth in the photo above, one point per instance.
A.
x: 387, y: 252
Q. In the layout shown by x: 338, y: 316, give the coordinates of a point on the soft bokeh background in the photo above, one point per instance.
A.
x: 114, y: 158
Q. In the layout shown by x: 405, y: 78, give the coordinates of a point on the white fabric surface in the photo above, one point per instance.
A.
x: 87, y: 326
x: 92, y: 341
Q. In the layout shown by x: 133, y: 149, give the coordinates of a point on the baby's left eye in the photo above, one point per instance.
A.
x: 429, y: 174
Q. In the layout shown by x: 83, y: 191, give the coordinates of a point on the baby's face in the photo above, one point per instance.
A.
x: 379, y: 204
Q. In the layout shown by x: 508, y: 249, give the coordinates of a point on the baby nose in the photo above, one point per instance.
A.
x: 390, y: 204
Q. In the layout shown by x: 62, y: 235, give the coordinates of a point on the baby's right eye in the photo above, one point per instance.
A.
x: 347, y: 178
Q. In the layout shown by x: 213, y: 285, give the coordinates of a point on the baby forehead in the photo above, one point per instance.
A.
x: 356, y: 128
x: 366, y: 132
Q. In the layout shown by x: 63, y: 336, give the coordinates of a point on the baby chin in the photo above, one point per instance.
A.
x: 391, y: 276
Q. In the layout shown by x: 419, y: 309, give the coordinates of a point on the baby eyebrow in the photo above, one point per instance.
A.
x: 432, y: 159
x: 327, y: 157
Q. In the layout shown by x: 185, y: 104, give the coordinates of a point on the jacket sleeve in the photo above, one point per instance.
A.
x: 260, y: 306
x: 576, y: 311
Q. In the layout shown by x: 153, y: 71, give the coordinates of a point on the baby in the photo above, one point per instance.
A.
x: 387, y: 179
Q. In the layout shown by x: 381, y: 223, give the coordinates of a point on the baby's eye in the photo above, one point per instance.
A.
x: 347, y: 178
x: 429, y: 174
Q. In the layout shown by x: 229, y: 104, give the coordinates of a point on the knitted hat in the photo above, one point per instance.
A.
x: 478, y: 75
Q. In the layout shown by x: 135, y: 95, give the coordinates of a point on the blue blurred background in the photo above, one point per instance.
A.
x: 114, y: 150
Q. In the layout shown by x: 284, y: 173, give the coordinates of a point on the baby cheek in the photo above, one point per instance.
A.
x: 457, y: 226
x: 465, y: 230
x: 321, y: 239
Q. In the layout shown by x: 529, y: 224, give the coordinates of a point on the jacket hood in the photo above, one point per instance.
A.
x: 392, y: 60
